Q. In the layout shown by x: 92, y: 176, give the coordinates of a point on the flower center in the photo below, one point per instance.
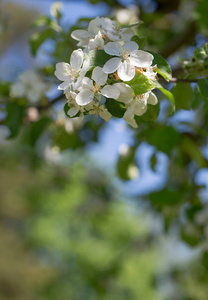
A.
x: 73, y: 74
x: 96, y: 88
x: 124, y: 52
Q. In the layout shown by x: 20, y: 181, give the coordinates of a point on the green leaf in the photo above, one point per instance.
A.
x: 65, y: 140
x: 134, y: 24
x: 153, y: 161
x: 164, y: 138
x: 141, y: 41
x: 4, y: 88
x: 124, y: 163
x: 35, y: 129
x: 97, y: 58
x: 163, y: 68
x: 140, y: 84
x: 168, y: 94
x: 117, y: 109
x: 15, y: 115
x: 150, y: 115
x: 42, y: 21
x: 165, y: 197
x: 183, y: 95
x: 203, y: 87
x: 38, y: 38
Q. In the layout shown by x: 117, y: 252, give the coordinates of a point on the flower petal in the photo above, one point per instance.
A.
x: 152, y: 99
x: 126, y: 71
x: 64, y: 85
x: 63, y: 71
x: 76, y: 59
x: 112, y: 65
x: 99, y: 76
x: 110, y: 91
x: 80, y: 34
x: 84, y: 97
x: 105, y: 115
x: 73, y: 111
x: 131, y: 46
x: 126, y: 92
x: 113, y: 48
x: 140, y: 58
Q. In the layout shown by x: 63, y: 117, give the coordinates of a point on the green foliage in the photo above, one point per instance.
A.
x: 38, y: 38
x: 141, y: 41
x: 124, y: 163
x: 203, y: 87
x: 14, y: 118
x: 164, y: 138
x: 183, y: 95
x: 163, y: 68
x: 116, y: 108
x: 168, y: 94
x: 97, y: 58
x: 140, y: 84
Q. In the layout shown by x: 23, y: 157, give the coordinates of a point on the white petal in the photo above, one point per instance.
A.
x: 105, y: 115
x: 73, y: 111
x: 152, y: 99
x: 99, y: 76
x: 95, y: 25
x: 113, y: 48
x: 64, y: 85
x: 80, y: 34
x: 126, y: 71
x: 63, y: 71
x: 112, y: 65
x: 141, y: 58
x: 76, y: 59
x: 110, y: 91
x: 127, y: 34
x: 126, y: 92
x: 129, y: 117
x: 84, y: 97
x: 86, y: 83
x: 132, y: 46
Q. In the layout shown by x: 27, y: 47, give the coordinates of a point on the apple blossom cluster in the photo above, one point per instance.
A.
x: 87, y: 85
x: 29, y: 85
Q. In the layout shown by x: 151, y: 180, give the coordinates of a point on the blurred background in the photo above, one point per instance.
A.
x: 95, y: 210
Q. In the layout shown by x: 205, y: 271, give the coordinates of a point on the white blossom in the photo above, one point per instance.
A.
x: 29, y: 85
x: 126, y: 92
x: 90, y: 90
x: 138, y: 106
x: 100, y: 110
x: 107, y: 29
x: 128, y: 57
x: 74, y: 108
x: 74, y: 72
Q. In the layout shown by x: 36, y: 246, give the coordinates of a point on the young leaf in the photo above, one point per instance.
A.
x: 38, y: 38
x: 97, y: 58
x: 163, y: 68
x: 203, y: 87
x: 141, y: 41
x: 140, y: 84
x: 117, y: 109
x: 124, y: 163
x: 167, y: 94
x: 15, y: 115
x: 183, y: 95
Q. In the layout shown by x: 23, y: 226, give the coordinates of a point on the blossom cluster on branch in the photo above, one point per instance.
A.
x: 109, y: 67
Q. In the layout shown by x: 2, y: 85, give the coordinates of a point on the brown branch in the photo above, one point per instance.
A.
x: 173, y: 79
x: 50, y: 103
